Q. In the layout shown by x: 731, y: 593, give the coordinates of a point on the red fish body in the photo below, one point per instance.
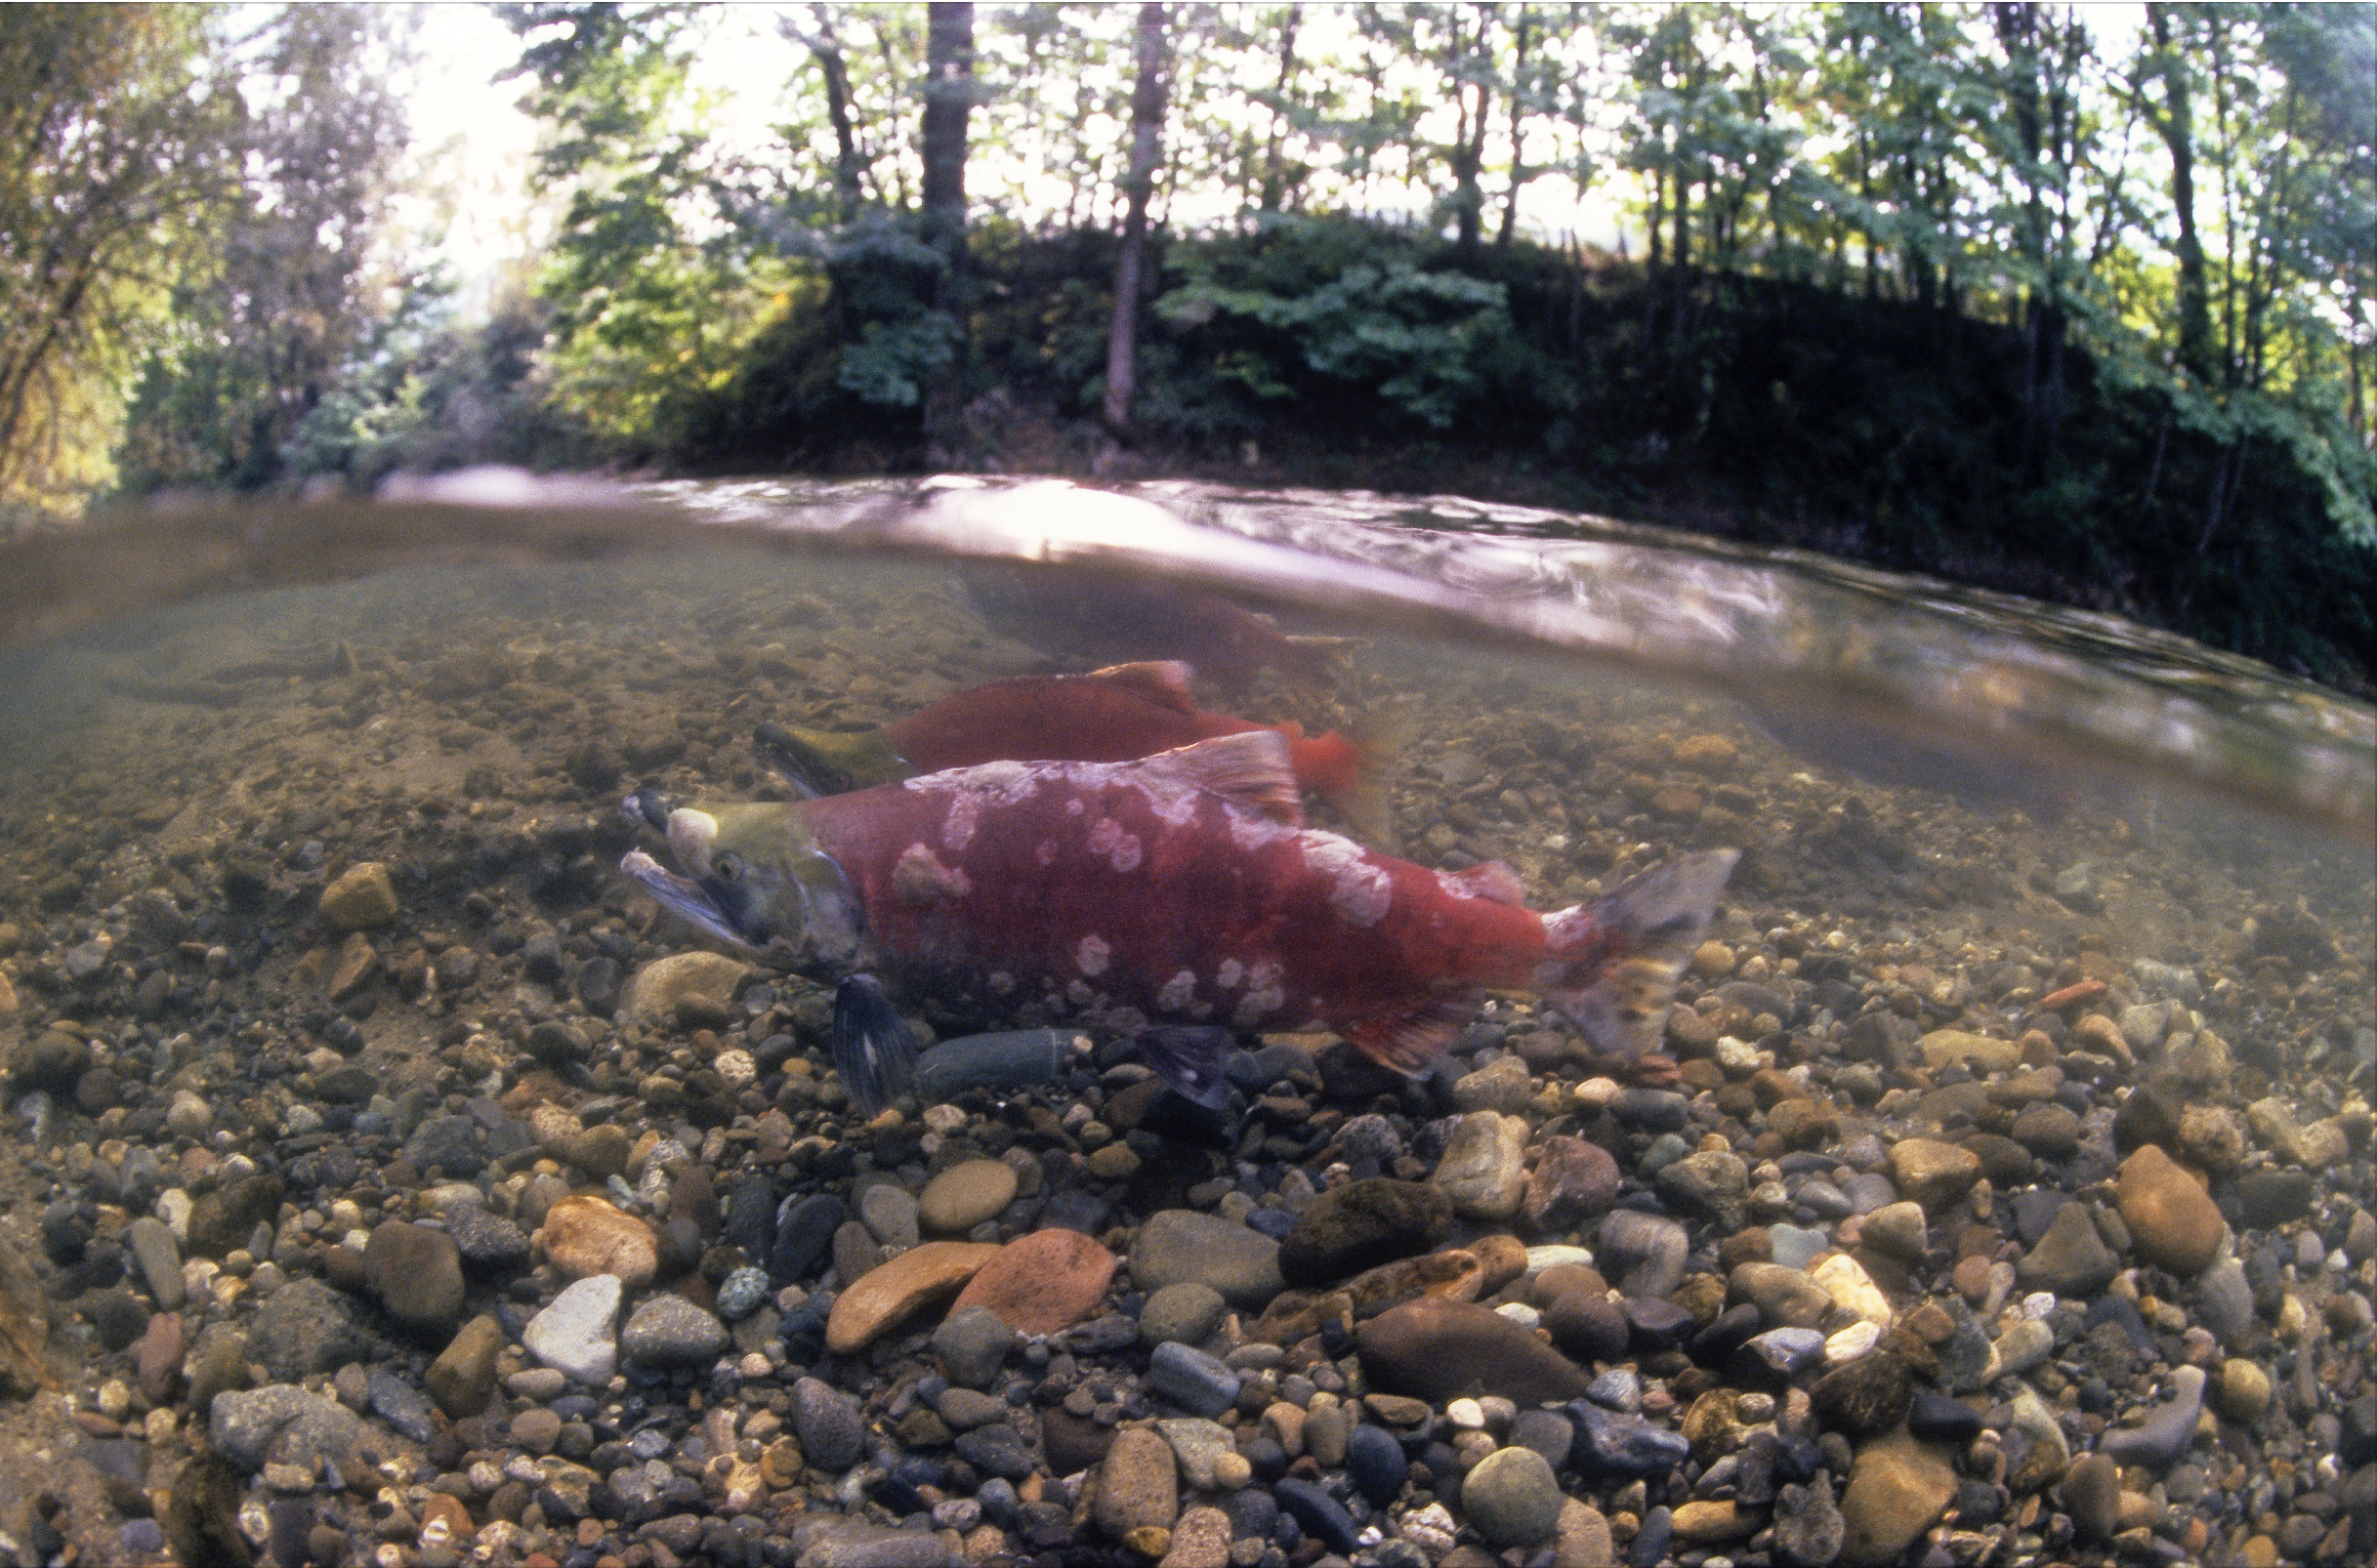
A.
x: 1113, y: 715
x: 1116, y: 714
x: 1180, y: 889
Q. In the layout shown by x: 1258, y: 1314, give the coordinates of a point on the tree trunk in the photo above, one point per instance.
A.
x: 949, y: 103
x: 1274, y: 172
x: 2177, y: 127
x: 826, y: 49
x: 1519, y: 174
x: 1138, y: 185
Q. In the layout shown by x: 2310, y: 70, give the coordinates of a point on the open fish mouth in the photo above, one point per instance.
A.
x: 684, y: 898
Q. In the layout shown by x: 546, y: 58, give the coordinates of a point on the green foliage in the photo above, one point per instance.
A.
x: 119, y: 135
x: 1301, y: 303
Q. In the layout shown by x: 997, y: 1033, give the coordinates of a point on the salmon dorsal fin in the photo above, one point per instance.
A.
x: 1251, y: 770
x: 1163, y: 681
x: 1491, y: 881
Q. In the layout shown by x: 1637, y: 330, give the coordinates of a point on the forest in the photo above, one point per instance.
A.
x: 2079, y: 301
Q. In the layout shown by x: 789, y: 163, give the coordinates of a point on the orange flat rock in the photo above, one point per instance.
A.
x: 1044, y: 1282
x: 887, y: 1295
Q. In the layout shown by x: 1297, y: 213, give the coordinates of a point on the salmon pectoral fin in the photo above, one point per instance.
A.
x: 1615, y: 961
x: 874, y: 1049
x: 1187, y: 1057
x: 1410, y: 1039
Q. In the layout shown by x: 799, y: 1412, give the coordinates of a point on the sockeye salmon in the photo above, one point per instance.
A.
x: 1114, y: 715
x: 1177, y: 897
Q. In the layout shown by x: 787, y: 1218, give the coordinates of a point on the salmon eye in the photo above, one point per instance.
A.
x: 729, y: 868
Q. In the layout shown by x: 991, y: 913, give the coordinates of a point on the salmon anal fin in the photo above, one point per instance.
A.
x: 1411, y: 1038
x: 1165, y: 681
x: 1250, y: 770
x: 1491, y: 881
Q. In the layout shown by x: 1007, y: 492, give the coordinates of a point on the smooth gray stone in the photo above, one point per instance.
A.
x: 159, y: 1260
x: 281, y: 1422
x: 2223, y: 1301
x: 2166, y: 1431
x: 1008, y: 1060
x: 1197, y: 1382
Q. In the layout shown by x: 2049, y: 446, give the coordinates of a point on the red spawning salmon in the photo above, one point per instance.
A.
x: 1176, y: 891
x: 1115, y: 715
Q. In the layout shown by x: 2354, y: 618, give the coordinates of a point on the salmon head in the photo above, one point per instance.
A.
x: 750, y: 874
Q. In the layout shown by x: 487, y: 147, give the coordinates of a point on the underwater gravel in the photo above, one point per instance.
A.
x: 386, y: 1185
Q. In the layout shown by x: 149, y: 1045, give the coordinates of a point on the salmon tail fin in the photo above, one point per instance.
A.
x: 1614, y: 960
x: 1251, y: 769
x: 1349, y: 768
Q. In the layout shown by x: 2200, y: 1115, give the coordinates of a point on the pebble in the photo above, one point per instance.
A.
x: 1138, y: 1484
x: 1175, y: 1246
x: 1189, y: 1312
x: 1898, y: 1488
x: 669, y: 1330
x: 895, y: 1292
x: 1483, y: 1170
x: 416, y: 1273
x: 1642, y: 1254
x: 971, y: 1345
x: 585, y: 1236
x: 2167, y: 1428
x: 2071, y: 1258
x: 2172, y: 1220
x: 697, y: 986
x: 360, y: 898
x: 965, y: 1195
x: 1512, y: 1498
x: 831, y: 1430
x: 576, y: 1334
x: 1042, y: 1283
x: 1199, y: 1384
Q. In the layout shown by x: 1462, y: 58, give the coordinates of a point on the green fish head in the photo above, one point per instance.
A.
x: 750, y: 874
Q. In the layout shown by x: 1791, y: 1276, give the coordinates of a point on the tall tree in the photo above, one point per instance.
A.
x: 1147, y: 138
x: 2173, y: 120
x: 117, y: 130
x: 260, y: 330
x: 949, y: 104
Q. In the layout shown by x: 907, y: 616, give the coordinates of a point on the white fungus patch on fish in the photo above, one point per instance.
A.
x: 1177, y: 993
x: 1359, y: 889
x: 919, y: 878
x: 1264, y: 996
x: 971, y: 790
x: 1120, y: 847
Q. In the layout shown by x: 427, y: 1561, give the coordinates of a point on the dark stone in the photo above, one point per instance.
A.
x: 1734, y: 1328
x: 453, y: 1144
x: 1376, y: 1462
x: 1072, y: 1443
x: 1938, y: 1417
x: 227, y: 1216
x: 2148, y: 1115
x: 1611, y: 1444
x: 2269, y: 1199
x: 805, y: 1229
x: 305, y: 1329
x: 1657, y: 1324
x: 416, y: 1272
x: 1865, y: 1397
x: 1362, y: 1224
x: 1320, y: 1515
x: 1437, y: 1350
x: 1587, y: 1328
